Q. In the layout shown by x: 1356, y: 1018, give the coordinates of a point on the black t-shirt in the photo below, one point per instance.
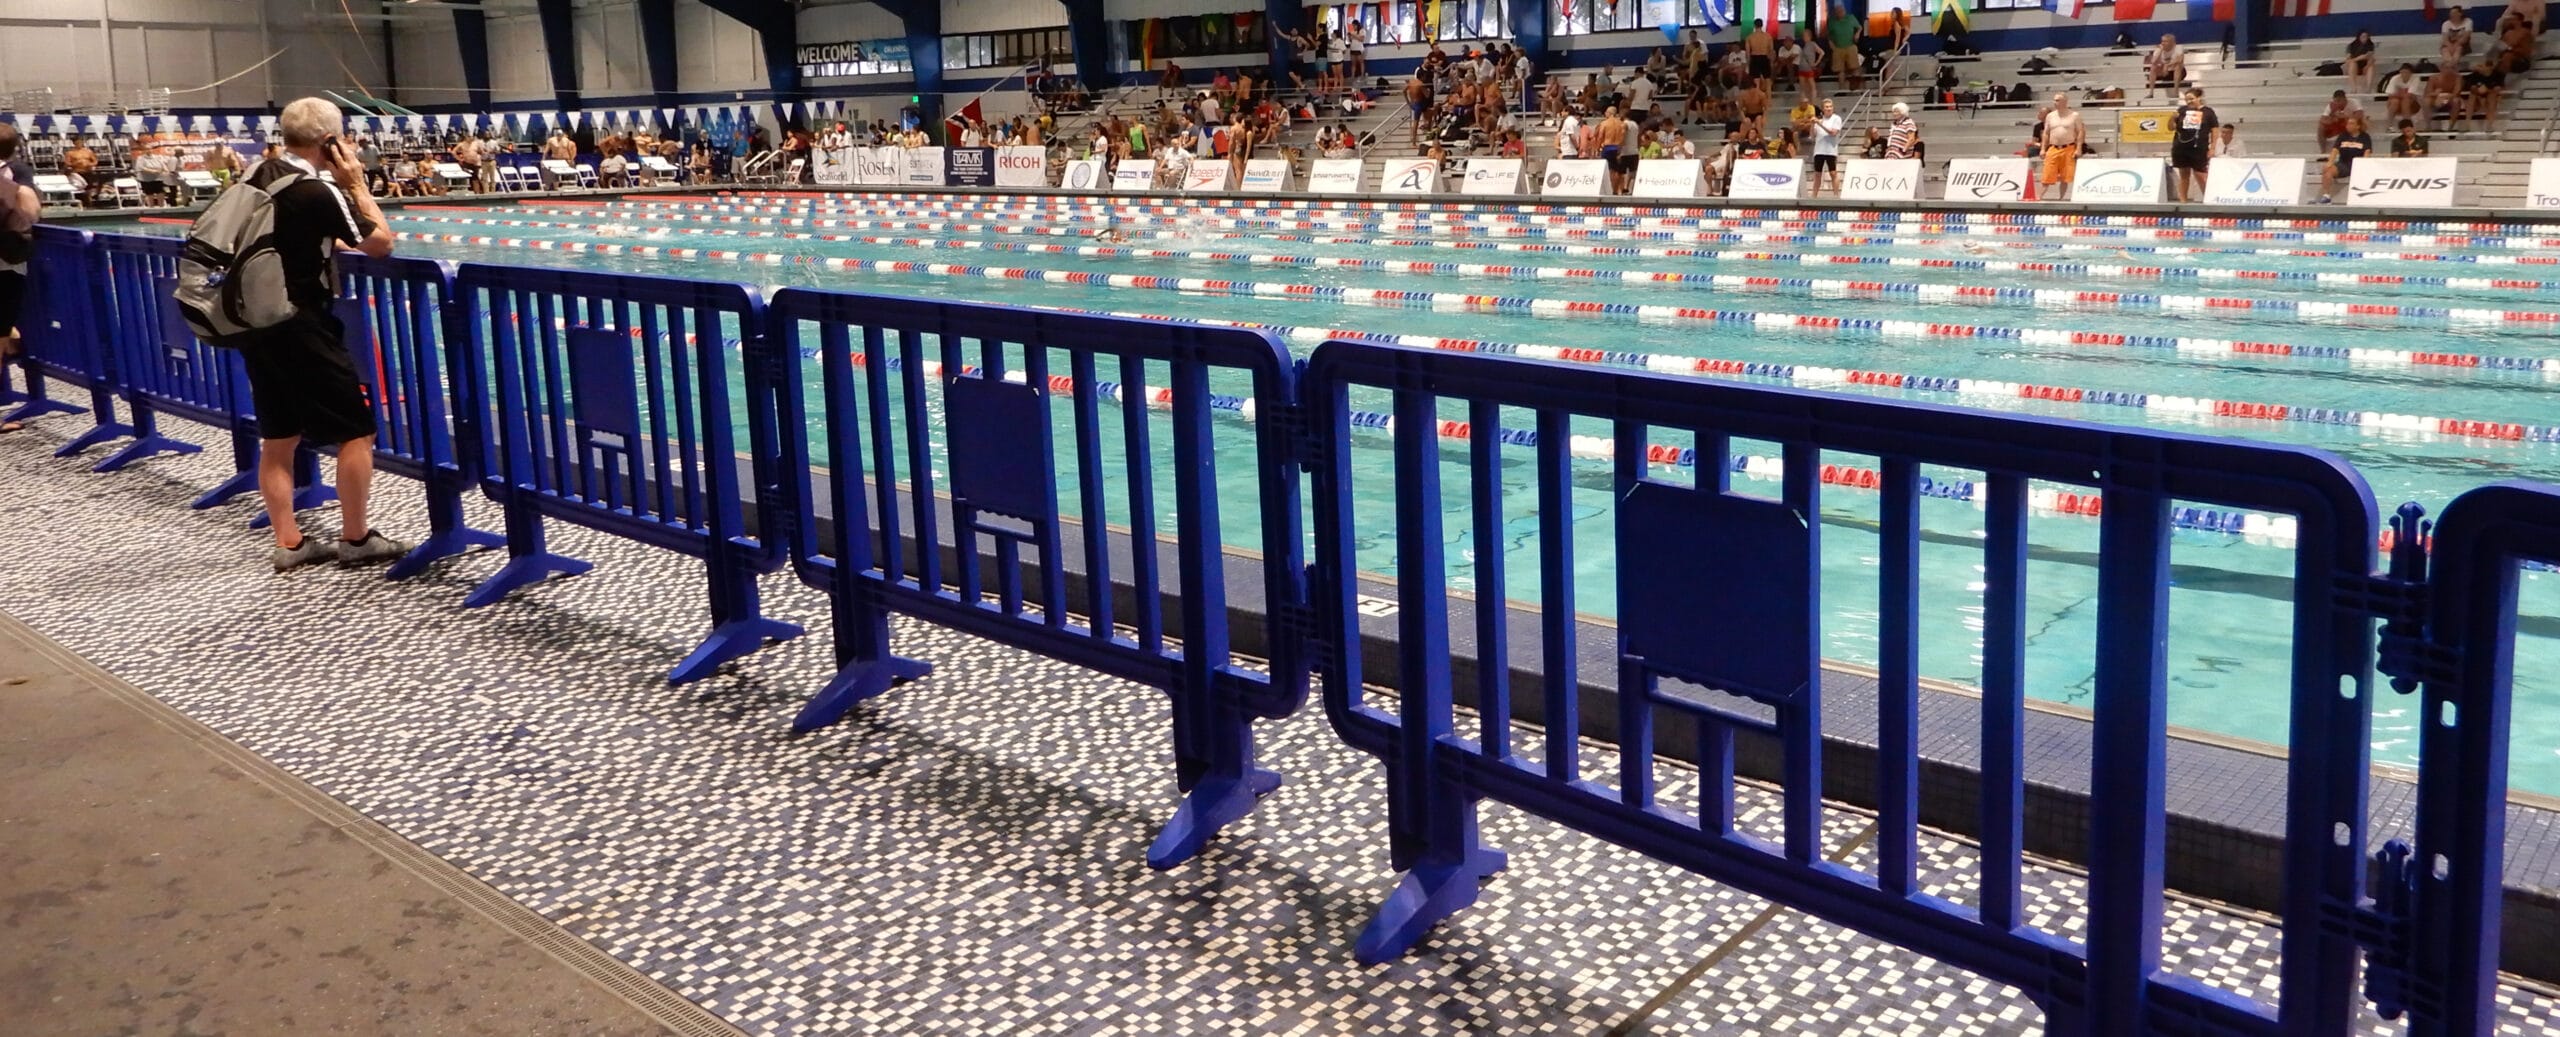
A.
x: 2193, y: 127
x: 2352, y: 146
x: 2359, y: 48
x: 312, y: 220
x: 14, y: 245
x: 2408, y: 147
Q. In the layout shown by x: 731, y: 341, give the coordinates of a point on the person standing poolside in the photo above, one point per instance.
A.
x: 2065, y: 133
x: 1613, y: 150
x: 2191, y: 145
x: 1827, y: 129
x: 302, y: 379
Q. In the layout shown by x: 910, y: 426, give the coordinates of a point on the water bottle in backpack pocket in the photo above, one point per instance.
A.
x: 230, y: 278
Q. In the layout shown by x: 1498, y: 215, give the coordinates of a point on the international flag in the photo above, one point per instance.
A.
x: 1958, y: 10
x: 2134, y: 10
x: 2067, y: 8
x: 1431, y: 21
x: 1719, y: 14
x: 1769, y: 13
x: 2299, y: 8
x: 2225, y: 10
x: 1666, y: 15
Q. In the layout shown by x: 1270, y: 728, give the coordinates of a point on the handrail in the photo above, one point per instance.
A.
x: 1884, y: 81
x: 2550, y: 123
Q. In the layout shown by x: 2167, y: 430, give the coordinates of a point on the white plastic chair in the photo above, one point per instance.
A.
x: 56, y: 188
x: 128, y: 191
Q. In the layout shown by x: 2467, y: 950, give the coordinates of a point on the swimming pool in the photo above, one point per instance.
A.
x: 2424, y: 358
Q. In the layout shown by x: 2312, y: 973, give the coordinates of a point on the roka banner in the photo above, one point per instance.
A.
x: 969, y: 167
x: 1333, y: 176
x: 1492, y: 176
x: 1265, y: 175
x: 1895, y: 179
x: 923, y: 167
x: 1667, y: 178
x: 1022, y: 167
x: 1578, y: 177
x: 1408, y: 176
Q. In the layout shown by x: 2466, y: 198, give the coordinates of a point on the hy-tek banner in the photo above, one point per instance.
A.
x: 1574, y: 176
x: 2394, y: 182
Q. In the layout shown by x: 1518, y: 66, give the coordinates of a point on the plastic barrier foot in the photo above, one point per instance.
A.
x: 1211, y: 806
x: 1427, y: 894
x: 38, y: 407
x: 440, y: 545
x: 150, y: 445
x: 854, y: 685
x: 522, y: 571
x: 731, y: 640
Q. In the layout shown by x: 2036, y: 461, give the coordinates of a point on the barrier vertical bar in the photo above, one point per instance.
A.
x: 1560, y: 678
x: 2004, y: 697
x: 1898, y: 680
x: 2128, y: 767
x: 1493, y: 597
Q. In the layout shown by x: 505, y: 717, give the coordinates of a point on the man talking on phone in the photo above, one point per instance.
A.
x: 301, y: 376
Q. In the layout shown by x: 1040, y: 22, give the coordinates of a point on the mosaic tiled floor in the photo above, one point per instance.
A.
x: 962, y: 856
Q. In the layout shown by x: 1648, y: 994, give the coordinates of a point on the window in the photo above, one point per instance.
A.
x: 1007, y: 50
x: 1460, y: 20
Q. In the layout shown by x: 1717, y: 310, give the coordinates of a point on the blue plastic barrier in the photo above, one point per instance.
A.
x: 160, y: 367
x: 1008, y: 379
x: 61, y: 338
x: 1743, y: 618
x: 606, y: 400
x: 396, y: 312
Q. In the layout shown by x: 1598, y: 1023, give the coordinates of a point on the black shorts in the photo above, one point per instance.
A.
x: 1759, y: 66
x: 2183, y: 156
x: 1622, y: 163
x: 303, y: 382
x: 2491, y: 80
x: 1825, y: 163
x: 13, y: 295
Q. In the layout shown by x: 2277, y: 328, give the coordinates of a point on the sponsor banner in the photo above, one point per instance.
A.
x: 1766, y: 178
x: 1408, y: 176
x: 1987, y: 179
x: 969, y: 167
x: 2419, y: 182
x: 1137, y: 174
x: 1333, y: 176
x: 877, y: 166
x: 2119, y: 180
x: 2253, y: 181
x: 2542, y: 188
x: 1207, y: 175
x: 2146, y: 125
x: 1022, y: 167
x: 1579, y: 177
x: 1880, y: 178
x: 1492, y: 176
x: 1667, y: 178
x: 1084, y: 174
x: 1265, y: 175
x: 831, y: 166
x: 923, y: 167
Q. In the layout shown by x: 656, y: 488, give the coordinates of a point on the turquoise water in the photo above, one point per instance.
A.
x: 2230, y: 611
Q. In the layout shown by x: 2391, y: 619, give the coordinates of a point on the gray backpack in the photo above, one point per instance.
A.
x: 230, y: 279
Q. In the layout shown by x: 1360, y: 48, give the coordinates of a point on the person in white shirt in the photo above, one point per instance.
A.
x: 2401, y: 92
x: 2456, y: 33
x: 2226, y: 142
x: 2166, y: 65
x: 1826, y: 147
x: 1209, y: 112
x: 1569, y: 137
x: 1679, y: 147
x: 1639, y: 91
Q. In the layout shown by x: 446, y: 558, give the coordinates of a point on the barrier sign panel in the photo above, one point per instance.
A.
x: 969, y: 167
x: 1492, y: 176
x: 2146, y: 125
x: 1987, y: 179
x: 1766, y: 178
x: 1334, y: 176
x: 1265, y: 175
x: 2119, y: 180
x: 1137, y: 174
x: 1207, y: 175
x: 2542, y: 188
x: 1022, y: 167
x: 1408, y: 176
x: 2399, y: 182
x: 1575, y: 176
x: 923, y: 167
x: 877, y: 166
x: 832, y: 166
x: 1880, y: 178
x: 1667, y: 178
x: 1084, y: 174
x: 2254, y: 181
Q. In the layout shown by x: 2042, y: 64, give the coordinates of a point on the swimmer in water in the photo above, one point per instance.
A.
x: 1110, y: 235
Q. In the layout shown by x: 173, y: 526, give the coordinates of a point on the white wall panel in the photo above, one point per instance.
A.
x: 715, y: 52
x: 849, y: 22
x: 612, y: 62
x: 183, y: 44
x: 519, y: 67
x: 234, y: 50
x: 966, y: 16
x: 430, y: 65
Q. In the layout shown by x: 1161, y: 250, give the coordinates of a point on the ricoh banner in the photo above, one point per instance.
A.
x: 1022, y: 167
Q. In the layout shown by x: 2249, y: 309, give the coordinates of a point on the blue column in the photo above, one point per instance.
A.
x: 2249, y: 28
x: 1278, y: 16
x: 471, y: 35
x: 658, y: 42
x: 1528, y: 20
x: 560, y: 45
x: 1090, y: 30
x: 923, y: 19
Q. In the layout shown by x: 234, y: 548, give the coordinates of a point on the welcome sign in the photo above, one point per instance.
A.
x: 1987, y: 180
x: 2253, y: 181
x: 1766, y: 178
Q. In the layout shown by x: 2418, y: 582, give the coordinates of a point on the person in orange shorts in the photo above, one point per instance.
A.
x: 2064, y: 133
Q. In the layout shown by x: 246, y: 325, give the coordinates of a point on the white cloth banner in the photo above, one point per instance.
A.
x: 1766, y: 178
x: 832, y: 166
x: 1667, y: 178
x: 1022, y: 167
x: 1492, y: 176
x: 1880, y: 178
x: 1265, y: 175
x: 1137, y: 174
x: 1987, y: 180
x: 1578, y: 177
x: 1408, y: 176
x: 2119, y: 180
x: 2254, y: 181
x: 2402, y: 182
x: 1207, y: 174
x: 1084, y: 174
x: 1333, y: 176
x: 2542, y: 186
x: 877, y: 166
x: 922, y: 167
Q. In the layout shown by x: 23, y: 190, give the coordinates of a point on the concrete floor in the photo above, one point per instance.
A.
x: 155, y: 879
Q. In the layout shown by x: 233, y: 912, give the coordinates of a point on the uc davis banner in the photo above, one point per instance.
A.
x: 1577, y: 177
x: 1987, y: 179
x: 878, y: 166
x: 2253, y: 181
x: 2395, y: 182
x: 1265, y: 175
x: 923, y: 167
x: 1022, y: 167
x: 1765, y: 178
x: 1408, y: 176
x: 969, y: 167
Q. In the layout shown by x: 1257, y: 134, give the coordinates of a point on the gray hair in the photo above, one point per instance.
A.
x: 310, y: 120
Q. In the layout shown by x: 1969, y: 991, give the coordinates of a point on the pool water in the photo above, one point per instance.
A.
x: 2230, y: 614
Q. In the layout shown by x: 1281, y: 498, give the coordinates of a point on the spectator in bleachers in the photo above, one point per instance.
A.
x: 2226, y: 144
x: 1903, y: 140
x: 222, y: 162
x: 2519, y: 34
x: 2065, y: 134
x: 1874, y: 147
x: 1169, y: 82
x: 2166, y: 65
x: 1800, y: 118
x: 1569, y: 136
x: 157, y: 169
x: 1551, y: 101
x: 2352, y: 144
x: 1844, y: 47
x: 1808, y: 61
x: 1826, y: 130
x: 1693, y: 56
x: 2359, y: 64
x: 1734, y: 71
x: 2447, y: 94
x: 2408, y: 144
x: 2334, y: 118
x: 1782, y: 63
x: 2528, y: 13
x: 2191, y: 145
x: 1752, y: 106
x: 2485, y: 83
x: 1762, y: 54
x: 1355, y: 42
x: 2455, y: 36
x: 2400, y: 92
x: 1417, y: 103
x: 81, y: 165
